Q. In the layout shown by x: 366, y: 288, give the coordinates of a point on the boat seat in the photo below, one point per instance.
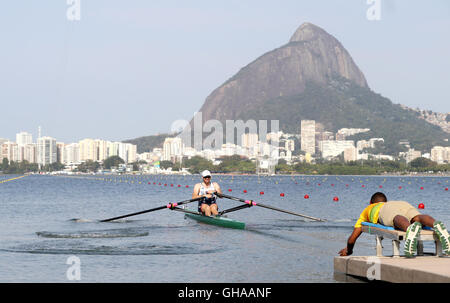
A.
x: 381, y: 232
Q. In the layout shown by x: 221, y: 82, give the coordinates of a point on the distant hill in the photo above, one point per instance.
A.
x: 147, y: 143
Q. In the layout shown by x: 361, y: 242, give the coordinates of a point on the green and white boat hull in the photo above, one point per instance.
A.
x: 217, y: 221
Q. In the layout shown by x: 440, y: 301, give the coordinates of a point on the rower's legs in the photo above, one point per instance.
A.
x: 206, y: 209
x: 214, y: 210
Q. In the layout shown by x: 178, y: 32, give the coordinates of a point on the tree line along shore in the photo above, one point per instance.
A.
x: 243, y: 165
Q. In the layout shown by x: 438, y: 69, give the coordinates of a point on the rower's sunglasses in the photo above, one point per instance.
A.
x: 207, y: 177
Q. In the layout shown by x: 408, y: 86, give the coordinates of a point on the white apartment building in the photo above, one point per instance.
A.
x: 29, y: 153
x: 360, y: 145
x: 411, y: 154
x: 331, y: 148
x: 88, y: 150
x: 46, y: 150
x: 308, y: 136
x: 172, y: 149
x: 347, y: 132
x: 24, y: 138
x: 249, y: 140
x: 71, y: 154
x: 440, y: 154
x: 10, y: 151
x: 350, y: 154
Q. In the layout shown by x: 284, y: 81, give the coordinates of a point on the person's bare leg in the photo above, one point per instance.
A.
x: 424, y: 220
x: 206, y: 210
x: 401, y: 222
x: 214, y: 209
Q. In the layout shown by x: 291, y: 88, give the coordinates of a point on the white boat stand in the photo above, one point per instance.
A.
x: 397, y: 236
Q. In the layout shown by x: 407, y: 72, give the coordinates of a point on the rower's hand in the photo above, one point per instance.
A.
x: 343, y: 252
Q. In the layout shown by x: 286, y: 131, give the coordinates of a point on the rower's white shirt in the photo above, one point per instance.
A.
x: 204, y: 189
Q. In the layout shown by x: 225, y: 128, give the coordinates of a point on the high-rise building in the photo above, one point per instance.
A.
x: 440, y: 154
x: 88, y: 150
x: 172, y: 149
x: 24, y: 138
x: 30, y: 153
x: 101, y: 149
x: 71, y: 153
x: 46, y: 150
x: 249, y: 140
x: 308, y: 136
x: 9, y: 150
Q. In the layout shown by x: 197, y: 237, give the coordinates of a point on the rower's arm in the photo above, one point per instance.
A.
x: 218, y: 189
x: 357, y: 231
x: 195, y: 194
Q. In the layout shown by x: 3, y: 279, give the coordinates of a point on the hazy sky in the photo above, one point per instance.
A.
x: 130, y: 68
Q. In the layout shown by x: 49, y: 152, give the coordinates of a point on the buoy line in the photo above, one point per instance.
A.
x: 12, y: 179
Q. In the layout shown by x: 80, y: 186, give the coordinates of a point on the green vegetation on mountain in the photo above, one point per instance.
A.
x: 342, y: 104
x: 147, y: 143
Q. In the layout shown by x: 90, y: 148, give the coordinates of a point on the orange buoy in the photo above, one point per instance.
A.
x: 421, y: 188
x: 282, y: 195
x: 245, y: 191
x: 261, y: 193
x: 335, y: 199
x: 306, y: 197
x: 399, y: 187
x: 229, y: 189
x: 446, y: 189
x: 421, y: 206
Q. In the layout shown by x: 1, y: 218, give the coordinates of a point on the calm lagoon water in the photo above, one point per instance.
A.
x: 47, y: 219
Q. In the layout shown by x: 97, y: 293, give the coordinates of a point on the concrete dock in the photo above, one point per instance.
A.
x: 421, y: 269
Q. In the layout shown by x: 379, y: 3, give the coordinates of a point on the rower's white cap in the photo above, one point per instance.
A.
x: 206, y: 173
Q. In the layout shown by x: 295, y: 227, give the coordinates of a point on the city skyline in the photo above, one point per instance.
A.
x: 121, y: 71
x: 265, y: 149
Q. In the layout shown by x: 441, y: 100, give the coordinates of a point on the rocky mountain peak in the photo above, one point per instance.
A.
x: 307, y: 32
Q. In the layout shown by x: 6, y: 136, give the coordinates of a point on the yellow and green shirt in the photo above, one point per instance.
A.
x: 370, y: 214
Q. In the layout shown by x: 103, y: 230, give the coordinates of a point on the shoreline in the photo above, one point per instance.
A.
x: 412, y: 174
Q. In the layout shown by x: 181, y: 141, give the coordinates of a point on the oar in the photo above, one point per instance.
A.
x: 170, y: 206
x: 268, y: 207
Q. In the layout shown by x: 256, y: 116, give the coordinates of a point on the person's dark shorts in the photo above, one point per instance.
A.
x: 207, y: 201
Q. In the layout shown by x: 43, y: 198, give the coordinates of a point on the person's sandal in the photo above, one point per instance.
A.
x: 443, y: 235
x: 411, y: 239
